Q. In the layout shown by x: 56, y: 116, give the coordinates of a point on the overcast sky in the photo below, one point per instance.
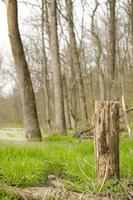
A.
x: 23, y: 10
x: 3, y: 25
x: 26, y: 12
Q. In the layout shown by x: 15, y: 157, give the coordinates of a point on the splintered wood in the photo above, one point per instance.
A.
x: 106, y: 131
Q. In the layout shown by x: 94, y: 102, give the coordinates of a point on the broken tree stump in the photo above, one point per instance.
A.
x: 106, y: 131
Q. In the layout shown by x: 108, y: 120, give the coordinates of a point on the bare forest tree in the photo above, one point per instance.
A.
x: 45, y: 69
x: 30, y: 117
x: 76, y: 62
x: 112, y: 50
x: 57, y: 77
x: 95, y: 35
x: 74, y: 58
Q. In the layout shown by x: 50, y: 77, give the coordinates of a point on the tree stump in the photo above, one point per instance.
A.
x: 106, y: 128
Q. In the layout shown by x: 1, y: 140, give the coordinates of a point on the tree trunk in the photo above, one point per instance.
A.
x: 30, y: 117
x: 76, y: 62
x: 124, y: 108
x: 106, y: 123
x: 73, y: 95
x: 112, y: 50
x: 45, y: 73
x: 95, y: 35
x: 91, y: 88
x: 58, y: 87
x: 66, y: 104
x: 131, y: 16
x: 102, y: 86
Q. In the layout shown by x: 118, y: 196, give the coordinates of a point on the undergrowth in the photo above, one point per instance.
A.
x: 29, y: 164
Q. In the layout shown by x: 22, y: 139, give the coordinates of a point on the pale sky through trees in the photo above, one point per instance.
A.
x: 23, y: 11
x: 3, y: 25
x: 75, y: 52
x: 26, y: 13
x: 7, y: 63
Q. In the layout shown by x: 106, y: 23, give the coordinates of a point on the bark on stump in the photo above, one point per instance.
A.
x: 106, y: 123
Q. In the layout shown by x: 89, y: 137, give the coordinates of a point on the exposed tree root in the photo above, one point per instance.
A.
x: 54, y: 188
x: 46, y: 193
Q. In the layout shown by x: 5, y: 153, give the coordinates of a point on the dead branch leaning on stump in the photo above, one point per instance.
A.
x: 87, y: 133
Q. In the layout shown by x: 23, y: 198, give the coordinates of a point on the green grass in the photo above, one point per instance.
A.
x: 61, y: 138
x: 126, y: 158
x: 4, y: 196
x: 29, y: 164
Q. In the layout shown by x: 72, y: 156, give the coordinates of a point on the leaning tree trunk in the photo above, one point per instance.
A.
x: 76, y: 62
x: 124, y: 108
x: 106, y: 123
x: 30, y: 117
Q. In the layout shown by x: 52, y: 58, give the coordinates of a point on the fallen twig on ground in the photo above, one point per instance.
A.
x: 51, y: 191
x: 125, y: 190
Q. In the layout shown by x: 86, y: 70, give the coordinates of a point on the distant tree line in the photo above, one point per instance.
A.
x: 65, y: 63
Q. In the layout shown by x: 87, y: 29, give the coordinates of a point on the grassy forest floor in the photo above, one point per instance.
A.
x: 29, y: 164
